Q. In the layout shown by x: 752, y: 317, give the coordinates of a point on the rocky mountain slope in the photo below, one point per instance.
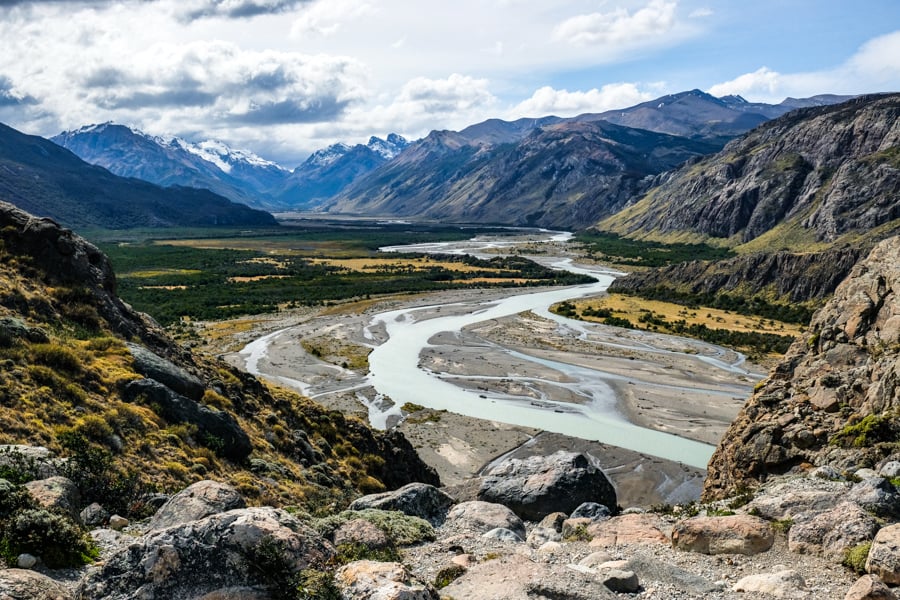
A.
x: 48, y: 180
x: 239, y: 176
x: 82, y: 372
x: 696, y: 114
x: 811, y: 179
x: 833, y: 400
x: 560, y: 175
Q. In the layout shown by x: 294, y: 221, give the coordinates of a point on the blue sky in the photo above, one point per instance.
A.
x: 285, y: 77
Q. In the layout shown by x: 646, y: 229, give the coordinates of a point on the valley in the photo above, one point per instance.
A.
x: 469, y: 375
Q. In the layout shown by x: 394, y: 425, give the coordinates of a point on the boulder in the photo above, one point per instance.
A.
x: 592, y: 511
x: 360, y: 531
x: 380, y: 581
x: 832, y: 532
x: 94, y: 515
x: 541, y: 535
x: 241, y: 548
x: 195, y: 502
x: 631, y: 529
x: 619, y: 580
x: 109, y: 541
x: 118, y: 523
x: 58, y: 494
x: 554, y: 521
x: 876, y: 495
x: 14, y: 329
x: 516, y: 577
x: 789, y: 497
x: 890, y: 469
x: 153, y: 366
x: 869, y: 587
x: 537, y: 486
x: 217, y: 429
x: 480, y: 517
x: 26, y: 561
x: 734, y: 534
x: 22, y: 584
x: 504, y: 535
x: 884, y: 555
x: 414, y: 499
x: 782, y: 584
x: 650, y: 569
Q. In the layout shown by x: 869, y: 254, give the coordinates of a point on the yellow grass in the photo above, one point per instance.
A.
x: 244, y: 279
x: 157, y: 272
x: 418, y: 264
x: 162, y: 287
x: 631, y: 308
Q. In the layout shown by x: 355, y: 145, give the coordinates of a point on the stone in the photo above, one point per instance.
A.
x: 414, y: 499
x: 651, y: 569
x: 517, y: 577
x: 620, y: 581
x: 554, y: 520
x: 576, y: 529
x: 593, y: 560
x: 782, y: 584
x: 541, y: 535
x: 501, y: 534
x: 109, y: 542
x: 869, y: 587
x: 35, y: 459
x: 592, y: 511
x: 833, y: 532
x: 23, y: 584
x: 884, y: 555
x: 537, y: 486
x: 734, y: 534
x: 94, y: 515
x: 550, y: 548
x: 786, y: 498
x: 360, y: 531
x: 56, y: 494
x: 890, y: 469
x: 199, y: 558
x: 118, y: 523
x: 195, y: 502
x: 26, y: 561
x: 865, y: 473
x: 630, y: 529
x: 380, y: 581
x: 827, y: 472
x: 230, y: 440
x: 480, y: 517
x: 153, y: 366
x: 876, y: 495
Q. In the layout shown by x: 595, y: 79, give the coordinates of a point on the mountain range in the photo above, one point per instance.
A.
x: 549, y: 165
x: 47, y: 180
x: 238, y: 175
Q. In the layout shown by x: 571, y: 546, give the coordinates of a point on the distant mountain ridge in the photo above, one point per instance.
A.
x: 239, y: 175
x: 47, y: 180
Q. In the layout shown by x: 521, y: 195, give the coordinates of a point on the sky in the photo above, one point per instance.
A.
x: 283, y: 78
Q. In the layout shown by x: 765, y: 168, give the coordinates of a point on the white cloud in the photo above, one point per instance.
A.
x: 325, y: 17
x: 762, y: 82
x: 701, y: 13
x: 619, y: 26
x: 563, y: 103
x: 874, y: 67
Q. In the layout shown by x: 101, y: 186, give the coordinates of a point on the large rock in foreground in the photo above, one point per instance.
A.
x: 536, y: 486
x: 236, y: 549
x: 828, y: 401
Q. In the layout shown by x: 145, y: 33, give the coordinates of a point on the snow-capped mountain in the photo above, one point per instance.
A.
x: 239, y: 175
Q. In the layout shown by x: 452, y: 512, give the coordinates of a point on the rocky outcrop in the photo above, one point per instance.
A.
x: 540, y: 485
x: 830, y: 401
x: 797, y: 277
x: 240, y: 548
x: 819, y: 173
x: 218, y: 429
x: 197, y: 501
x: 155, y: 367
x: 414, y: 499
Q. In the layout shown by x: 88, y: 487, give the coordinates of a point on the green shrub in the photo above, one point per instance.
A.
x: 448, y: 575
x: 271, y: 564
x: 55, y: 538
x: 401, y: 529
x: 348, y: 553
x: 12, y: 498
x: 855, y: 557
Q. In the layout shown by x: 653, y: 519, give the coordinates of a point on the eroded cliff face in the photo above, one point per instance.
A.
x: 835, y: 397
x: 819, y: 174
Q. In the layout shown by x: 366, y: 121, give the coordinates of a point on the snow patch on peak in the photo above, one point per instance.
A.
x: 326, y: 156
x: 389, y: 148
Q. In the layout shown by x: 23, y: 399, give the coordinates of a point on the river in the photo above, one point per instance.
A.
x: 396, y: 370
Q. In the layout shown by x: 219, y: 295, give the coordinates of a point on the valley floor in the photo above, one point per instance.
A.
x: 660, y: 382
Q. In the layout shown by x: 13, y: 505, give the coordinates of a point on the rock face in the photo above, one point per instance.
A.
x: 195, y: 502
x: 219, y: 552
x: 828, y: 401
x: 805, y: 169
x: 539, y: 485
